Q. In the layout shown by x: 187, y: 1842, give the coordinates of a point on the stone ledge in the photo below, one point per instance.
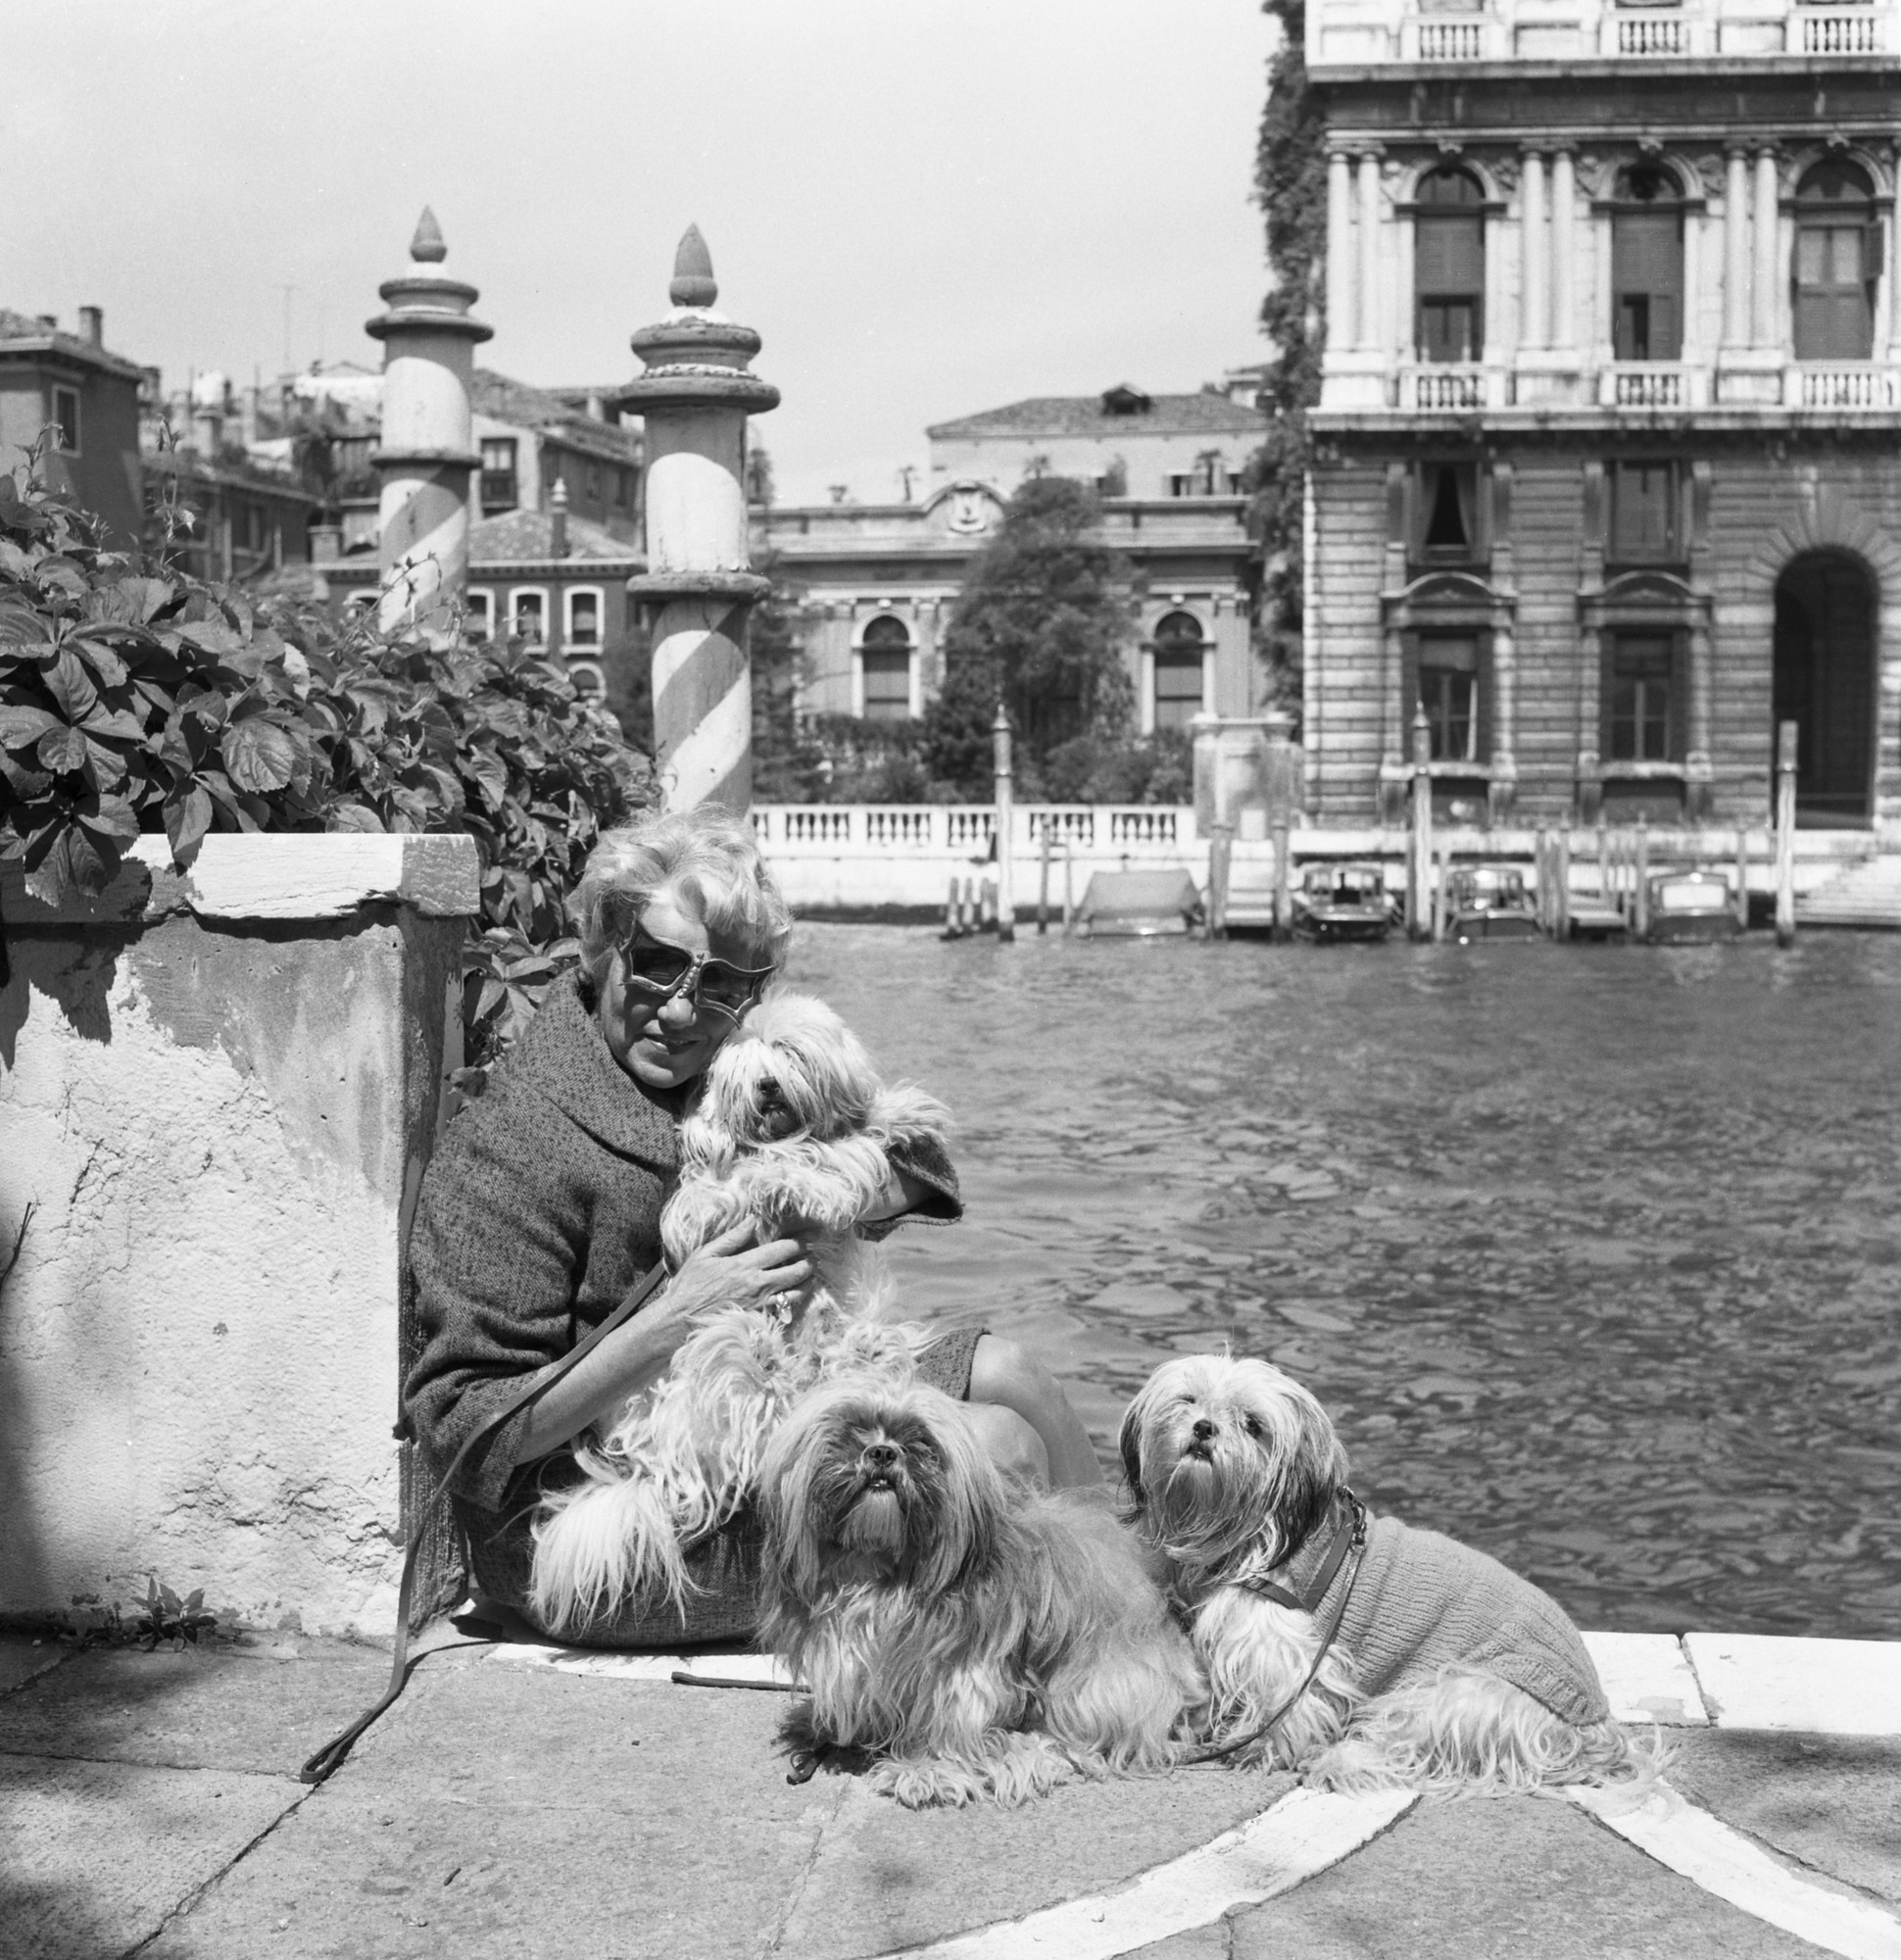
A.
x: 270, y: 876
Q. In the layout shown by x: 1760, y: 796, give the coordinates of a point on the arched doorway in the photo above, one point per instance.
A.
x: 1825, y: 683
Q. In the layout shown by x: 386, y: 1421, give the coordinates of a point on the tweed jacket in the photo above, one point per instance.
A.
x: 539, y: 1213
x: 1423, y: 1601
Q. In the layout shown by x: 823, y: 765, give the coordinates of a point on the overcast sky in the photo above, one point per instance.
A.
x: 927, y: 206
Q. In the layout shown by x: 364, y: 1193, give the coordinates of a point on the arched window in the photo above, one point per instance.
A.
x: 1647, y: 265
x: 1837, y: 258
x: 1180, y: 659
x: 1449, y: 266
x: 886, y: 650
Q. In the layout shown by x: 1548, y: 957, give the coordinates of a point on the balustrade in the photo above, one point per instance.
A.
x: 964, y: 830
x: 1845, y: 387
x: 1841, y: 33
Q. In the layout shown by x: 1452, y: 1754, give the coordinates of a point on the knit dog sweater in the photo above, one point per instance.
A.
x: 1422, y: 1601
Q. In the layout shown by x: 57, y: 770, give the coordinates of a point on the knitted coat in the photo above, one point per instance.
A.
x: 1423, y: 1601
x: 540, y: 1211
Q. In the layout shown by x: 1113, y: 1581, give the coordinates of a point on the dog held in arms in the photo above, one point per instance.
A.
x: 1362, y: 1652
x: 976, y: 1638
x: 791, y: 1130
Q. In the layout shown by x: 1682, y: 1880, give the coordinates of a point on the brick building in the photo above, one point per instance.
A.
x: 877, y: 581
x: 1608, y: 456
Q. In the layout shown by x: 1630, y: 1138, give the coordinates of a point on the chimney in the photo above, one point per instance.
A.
x: 92, y: 325
x: 326, y: 541
x: 557, y: 519
x: 597, y: 406
x: 47, y: 322
x: 206, y: 430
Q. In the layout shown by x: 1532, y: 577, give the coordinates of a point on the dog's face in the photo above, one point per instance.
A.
x: 877, y: 1486
x: 791, y: 1070
x: 1221, y: 1454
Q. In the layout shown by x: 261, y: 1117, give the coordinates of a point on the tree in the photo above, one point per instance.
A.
x: 1291, y: 186
x: 1041, y: 626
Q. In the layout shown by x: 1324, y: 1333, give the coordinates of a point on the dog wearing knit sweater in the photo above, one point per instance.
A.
x: 1356, y: 1650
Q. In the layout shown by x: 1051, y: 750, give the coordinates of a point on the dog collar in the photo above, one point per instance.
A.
x: 1349, y: 1533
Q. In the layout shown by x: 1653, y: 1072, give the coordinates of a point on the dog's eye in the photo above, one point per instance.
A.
x: 1252, y: 1425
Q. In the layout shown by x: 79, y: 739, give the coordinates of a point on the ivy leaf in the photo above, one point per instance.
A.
x: 353, y: 817
x: 62, y: 749
x: 72, y: 686
x: 187, y: 817
x: 20, y: 725
x: 110, y: 817
x: 259, y: 755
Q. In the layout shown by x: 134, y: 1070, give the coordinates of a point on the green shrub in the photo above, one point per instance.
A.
x: 135, y: 699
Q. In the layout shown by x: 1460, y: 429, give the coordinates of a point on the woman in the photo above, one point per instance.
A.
x: 541, y: 1211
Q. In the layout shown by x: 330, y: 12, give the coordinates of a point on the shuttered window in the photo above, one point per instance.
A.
x: 1647, y: 283
x: 1644, y: 512
x: 1450, y: 267
x: 1639, y: 698
x: 887, y: 654
x: 1837, y: 259
x: 1178, y: 666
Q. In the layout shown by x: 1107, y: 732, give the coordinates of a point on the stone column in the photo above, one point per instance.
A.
x: 1372, y: 287
x: 695, y: 398
x: 427, y: 447
x: 1535, y: 279
x: 1564, y: 246
x: 1769, y: 251
x: 1735, y: 248
x: 1343, y: 317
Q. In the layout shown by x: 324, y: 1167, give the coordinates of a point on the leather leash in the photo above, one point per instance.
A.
x: 330, y: 1758
x: 1351, y: 1536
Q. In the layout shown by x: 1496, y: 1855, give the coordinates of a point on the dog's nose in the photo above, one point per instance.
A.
x: 1205, y: 1429
x: 880, y: 1455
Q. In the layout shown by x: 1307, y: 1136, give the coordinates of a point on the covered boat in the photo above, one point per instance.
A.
x: 1343, y: 902
x: 1488, y: 902
x: 1138, y: 904
x: 1689, y: 906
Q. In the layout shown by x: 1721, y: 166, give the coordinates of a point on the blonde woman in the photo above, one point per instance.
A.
x: 540, y: 1212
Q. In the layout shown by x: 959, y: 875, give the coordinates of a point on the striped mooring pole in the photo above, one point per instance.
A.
x: 427, y: 445
x: 694, y: 399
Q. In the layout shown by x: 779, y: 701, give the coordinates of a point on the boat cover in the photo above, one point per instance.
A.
x: 1161, y: 901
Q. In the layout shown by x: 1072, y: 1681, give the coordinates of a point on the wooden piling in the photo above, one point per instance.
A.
x: 1221, y: 857
x: 1419, y: 869
x: 1069, y: 891
x: 1742, y: 877
x: 1004, y: 902
x: 1283, y: 881
x: 1640, y: 880
x: 1440, y: 892
x: 1787, y: 735
x: 1043, y: 883
x: 1561, y: 926
x: 952, y: 921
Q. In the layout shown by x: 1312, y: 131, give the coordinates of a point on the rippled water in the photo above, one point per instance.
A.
x: 1592, y: 1252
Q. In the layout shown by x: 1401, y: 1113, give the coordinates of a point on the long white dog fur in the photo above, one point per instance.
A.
x: 1233, y: 1466
x: 791, y: 1131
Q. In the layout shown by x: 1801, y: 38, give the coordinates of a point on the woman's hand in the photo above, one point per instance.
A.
x: 728, y: 1270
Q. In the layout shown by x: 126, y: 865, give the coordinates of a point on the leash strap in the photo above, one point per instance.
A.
x: 1351, y: 1535
x: 330, y: 1758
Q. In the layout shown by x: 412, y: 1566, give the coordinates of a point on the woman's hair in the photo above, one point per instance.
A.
x: 708, y: 854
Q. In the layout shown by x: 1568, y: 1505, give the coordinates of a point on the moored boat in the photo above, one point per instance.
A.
x: 1343, y: 902
x: 1689, y: 906
x: 1488, y: 902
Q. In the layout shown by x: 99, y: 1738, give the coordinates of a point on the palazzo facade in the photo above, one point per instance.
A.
x: 1607, y: 475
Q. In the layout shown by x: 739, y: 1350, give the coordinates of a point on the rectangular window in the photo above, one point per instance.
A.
x: 1647, y: 283
x: 1449, y: 275
x: 529, y: 619
x: 1448, y: 692
x: 583, y: 618
x: 887, y: 684
x: 1644, y: 512
x: 1637, y: 698
x: 622, y: 484
x: 592, y: 482
x: 65, y: 419
x: 1834, y: 321
x: 499, y: 490
x: 1178, y: 689
x: 481, y: 616
x: 1445, y: 524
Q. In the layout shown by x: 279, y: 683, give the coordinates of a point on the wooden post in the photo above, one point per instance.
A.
x: 972, y: 915
x: 1221, y: 860
x: 1742, y: 877
x: 1785, y: 749
x: 1006, y: 831
x: 1069, y: 893
x: 1561, y: 924
x: 1640, y: 879
x: 953, y: 923
x: 1043, y: 881
x: 1604, y: 890
x: 1440, y: 894
x: 1283, y: 880
x: 1541, y: 875
x: 1419, y: 879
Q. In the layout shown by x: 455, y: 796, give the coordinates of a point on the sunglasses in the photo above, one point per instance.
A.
x: 657, y: 969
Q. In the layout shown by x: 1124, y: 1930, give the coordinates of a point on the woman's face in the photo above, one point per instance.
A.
x: 663, y: 1044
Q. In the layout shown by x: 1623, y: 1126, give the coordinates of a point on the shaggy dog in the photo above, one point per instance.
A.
x: 791, y: 1131
x: 1361, y: 1651
x: 978, y: 1638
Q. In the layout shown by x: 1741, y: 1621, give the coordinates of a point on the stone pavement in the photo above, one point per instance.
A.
x: 519, y: 1801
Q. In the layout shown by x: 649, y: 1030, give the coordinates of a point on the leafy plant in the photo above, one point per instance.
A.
x: 135, y: 699
x: 167, y: 1617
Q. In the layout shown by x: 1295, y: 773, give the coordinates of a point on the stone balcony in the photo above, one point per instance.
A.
x: 1359, y: 34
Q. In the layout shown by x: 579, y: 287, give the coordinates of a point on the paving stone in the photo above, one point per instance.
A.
x: 94, y: 1855
x: 1205, y: 1942
x: 1832, y: 1802
x: 1498, y: 1879
x: 203, y: 1707
x: 24, y: 1659
x: 1832, y: 1688
x: 888, y: 1877
x: 525, y: 1813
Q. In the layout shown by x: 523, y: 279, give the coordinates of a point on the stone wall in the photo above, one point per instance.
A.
x: 218, y: 1094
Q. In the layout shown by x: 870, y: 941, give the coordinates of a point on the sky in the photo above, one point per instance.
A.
x: 927, y: 208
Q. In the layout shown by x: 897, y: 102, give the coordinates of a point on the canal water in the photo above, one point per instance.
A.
x: 1592, y: 1252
